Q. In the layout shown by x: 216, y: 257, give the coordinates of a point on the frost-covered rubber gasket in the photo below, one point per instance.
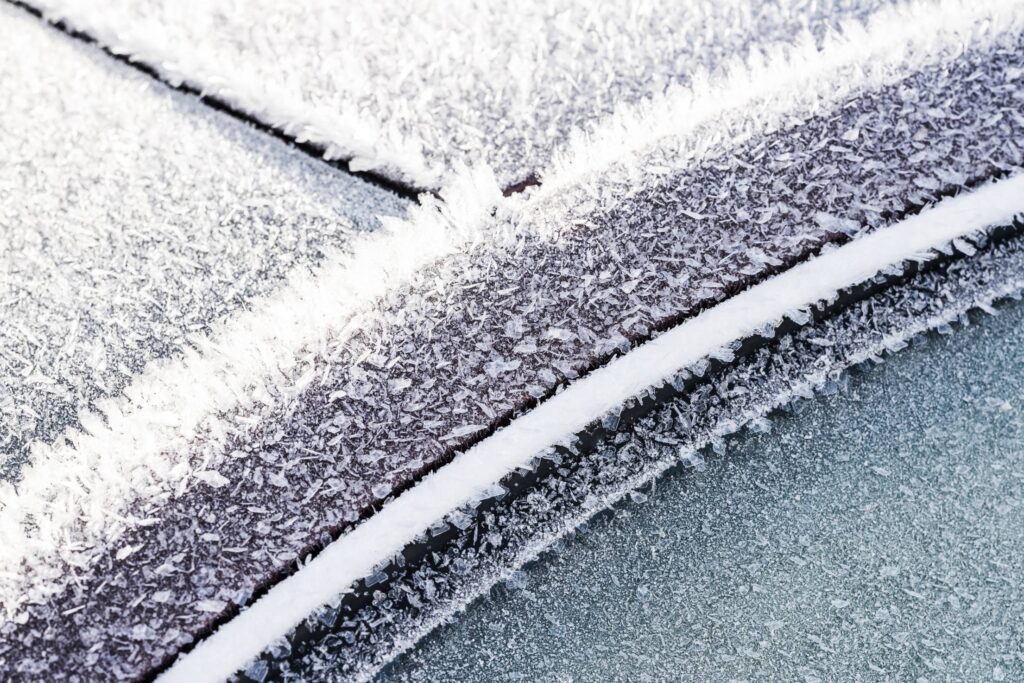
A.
x: 462, y: 556
x: 472, y: 476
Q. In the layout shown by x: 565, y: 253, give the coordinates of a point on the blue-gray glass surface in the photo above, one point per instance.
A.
x: 876, y: 534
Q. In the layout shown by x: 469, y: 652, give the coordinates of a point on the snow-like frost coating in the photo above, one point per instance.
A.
x: 129, y: 229
x: 412, y: 87
x: 81, y: 486
x: 129, y: 451
x: 363, y: 401
x: 774, y: 85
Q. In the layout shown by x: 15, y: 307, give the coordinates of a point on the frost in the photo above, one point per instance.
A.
x: 799, y: 316
x: 213, y: 478
x: 399, y: 385
x: 965, y: 247
x: 464, y: 430
x: 525, y: 348
x: 497, y: 368
x: 257, y: 671
x: 515, y: 327
x: 691, y: 458
x: 460, y: 519
x: 746, y: 517
x: 586, y: 478
x: 125, y: 552
x: 723, y: 354
x: 210, y: 606
x: 376, y: 578
x: 836, y: 223
x: 559, y: 334
x: 494, y: 491
x: 517, y: 580
x: 610, y: 421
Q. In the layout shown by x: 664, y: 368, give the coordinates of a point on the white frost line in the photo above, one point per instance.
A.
x: 770, y: 88
x: 566, y: 525
x: 471, y: 474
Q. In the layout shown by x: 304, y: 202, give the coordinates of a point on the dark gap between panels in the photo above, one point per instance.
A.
x: 372, y: 177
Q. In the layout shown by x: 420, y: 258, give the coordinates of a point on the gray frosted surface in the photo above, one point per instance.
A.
x: 411, y: 84
x: 876, y: 534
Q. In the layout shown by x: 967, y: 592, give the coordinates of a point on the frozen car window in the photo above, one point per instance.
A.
x: 875, y: 533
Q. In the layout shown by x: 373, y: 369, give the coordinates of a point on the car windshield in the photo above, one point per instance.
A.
x: 877, y: 530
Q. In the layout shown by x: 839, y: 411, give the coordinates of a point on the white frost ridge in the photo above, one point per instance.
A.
x: 473, y: 473
x: 782, y: 82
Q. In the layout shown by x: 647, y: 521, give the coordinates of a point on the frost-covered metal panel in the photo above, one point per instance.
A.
x: 417, y: 87
x: 525, y: 307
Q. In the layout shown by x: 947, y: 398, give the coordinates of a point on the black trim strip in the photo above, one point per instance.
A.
x: 403, y: 190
